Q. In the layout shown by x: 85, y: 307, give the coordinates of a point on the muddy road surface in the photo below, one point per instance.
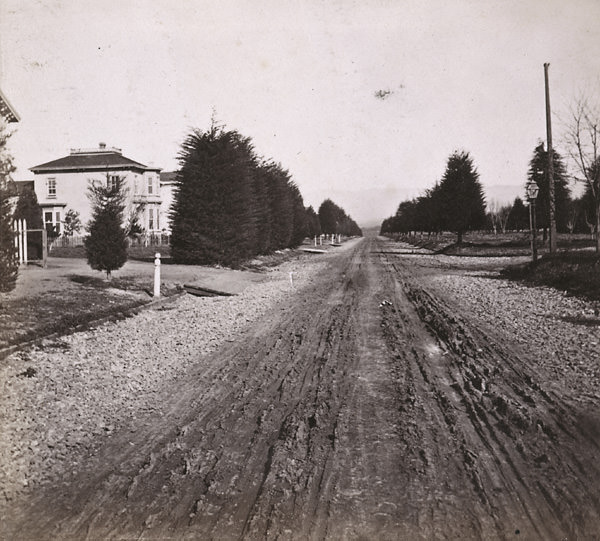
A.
x: 365, y: 408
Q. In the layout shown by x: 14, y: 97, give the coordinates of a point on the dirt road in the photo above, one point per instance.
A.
x: 366, y: 408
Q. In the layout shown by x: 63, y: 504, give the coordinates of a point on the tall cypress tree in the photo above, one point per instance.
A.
x: 281, y: 206
x: 328, y: 217
x: 460, y: 196
x: 214, y: 209
x: 537, y: 172
x: 300, y: 218
x: 262, y: 210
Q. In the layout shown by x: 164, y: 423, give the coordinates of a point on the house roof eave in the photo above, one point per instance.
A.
x: 7, y: 110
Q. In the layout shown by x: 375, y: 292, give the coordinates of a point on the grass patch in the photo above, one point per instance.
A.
x: 577, y: 273
x: 61, y: 311
x: 26, y: 319
x: 126, y: 284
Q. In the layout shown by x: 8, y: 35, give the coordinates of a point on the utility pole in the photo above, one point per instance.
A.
x: 550, y: 167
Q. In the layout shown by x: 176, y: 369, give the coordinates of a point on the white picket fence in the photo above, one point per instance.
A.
x: 158, y: 239
x: 21, y: 240
x: 20, y: 229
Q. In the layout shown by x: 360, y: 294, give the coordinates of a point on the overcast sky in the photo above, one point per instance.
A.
x: 362, y: 101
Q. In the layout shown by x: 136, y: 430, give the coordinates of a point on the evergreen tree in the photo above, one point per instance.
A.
x: 300, y: 219
x: 314, y: 227
x: 28, y: 209
x: 334, y: 220
x: 460, y: 195
x: 328, y: 217
x: 538, y: 173
x: 214, y: 218
x: 8, y: 259
x: 429, y: 215
x: 106, y: 243
x: 281, y: 206
x: 404, y: 220
x: 262, y: 210
x: 518, y: 218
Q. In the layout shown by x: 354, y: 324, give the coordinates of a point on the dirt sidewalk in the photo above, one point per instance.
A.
x: 34, y: 279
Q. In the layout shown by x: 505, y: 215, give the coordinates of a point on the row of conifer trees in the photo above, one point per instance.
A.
x: 231, y: 205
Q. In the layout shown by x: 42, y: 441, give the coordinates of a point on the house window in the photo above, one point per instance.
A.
x: 150, y: 219
x: 51, y: 188
x: 113, y: 181
x: 150, y: 185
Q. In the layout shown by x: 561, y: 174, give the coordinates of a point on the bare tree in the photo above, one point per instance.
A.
x: 583, y: 131
x: 572, y: 218
x: 498, y: 215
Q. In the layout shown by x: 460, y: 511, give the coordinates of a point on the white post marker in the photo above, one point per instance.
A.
x: 157, y: 275
x: 292, y: 280
x: 25, y: 257
x: 20, y: 233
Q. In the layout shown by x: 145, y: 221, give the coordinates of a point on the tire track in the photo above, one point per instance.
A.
x: 516, y: 445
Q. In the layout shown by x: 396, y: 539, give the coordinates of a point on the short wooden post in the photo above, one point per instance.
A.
x: 157, y: 275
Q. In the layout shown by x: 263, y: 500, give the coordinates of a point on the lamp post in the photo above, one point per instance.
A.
x: 532, y: 190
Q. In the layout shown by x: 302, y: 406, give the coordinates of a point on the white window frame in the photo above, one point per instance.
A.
x: 150, y: 219
x: 113, y: 180
x: 51, y: 184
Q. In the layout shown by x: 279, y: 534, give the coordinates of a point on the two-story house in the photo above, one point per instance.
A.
x: 168, y: 186
x: 61, y: 185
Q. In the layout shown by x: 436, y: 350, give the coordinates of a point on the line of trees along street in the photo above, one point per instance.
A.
x: 231, y: 205
x: 334, y: 220
x: 456, y: 203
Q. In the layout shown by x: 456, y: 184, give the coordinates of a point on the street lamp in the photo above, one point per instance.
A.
x: 532, y: 190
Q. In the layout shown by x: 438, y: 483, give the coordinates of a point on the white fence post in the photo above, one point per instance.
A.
x: 21, y: 247
x: 157, y: 275
x: 24, y: 229
x: 17, y: 243
x: 20, y: 230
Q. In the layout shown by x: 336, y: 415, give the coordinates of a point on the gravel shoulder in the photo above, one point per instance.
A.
x: 60, y: 398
